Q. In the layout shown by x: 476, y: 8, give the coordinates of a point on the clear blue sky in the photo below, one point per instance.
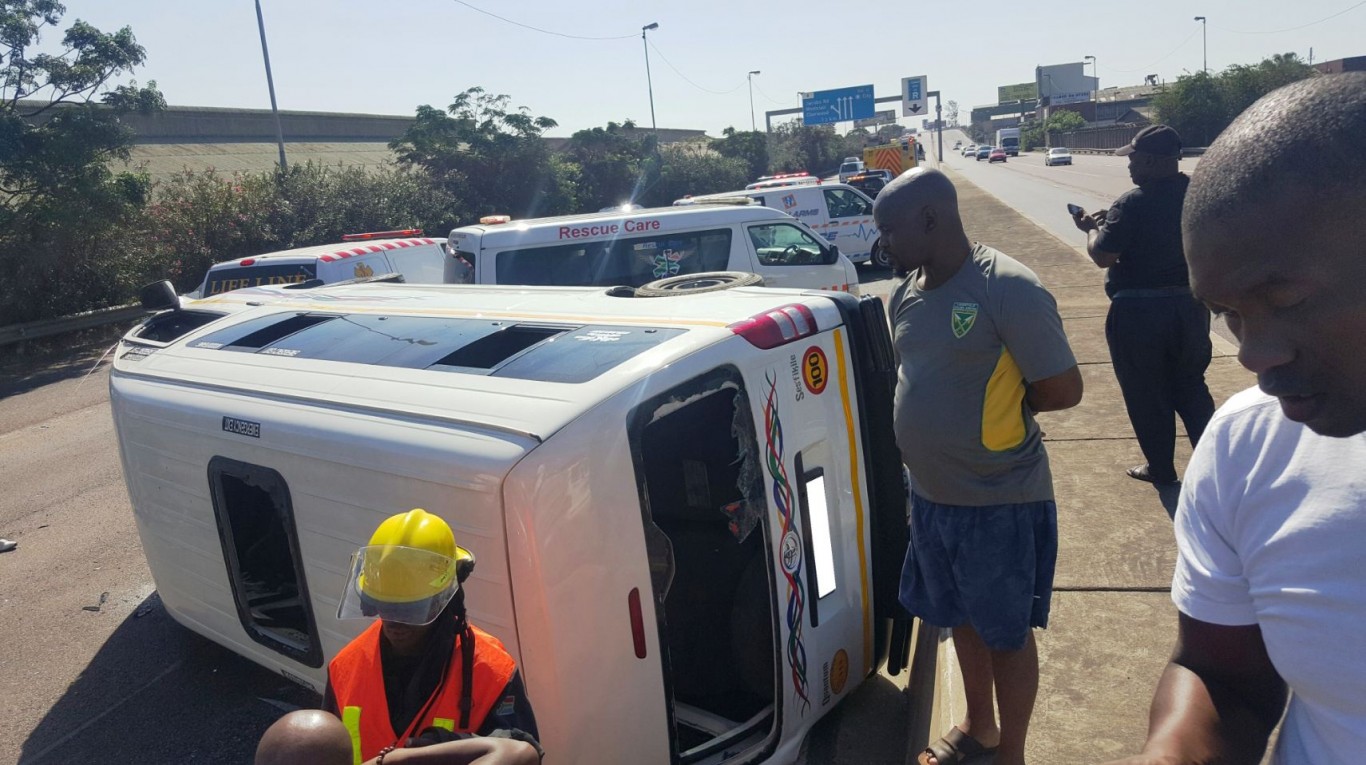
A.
x: 389, y: 57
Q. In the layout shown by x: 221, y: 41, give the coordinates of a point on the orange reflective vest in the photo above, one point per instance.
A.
x: 358, y: 685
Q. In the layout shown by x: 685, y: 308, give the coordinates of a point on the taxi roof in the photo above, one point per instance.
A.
x: 534, y: 404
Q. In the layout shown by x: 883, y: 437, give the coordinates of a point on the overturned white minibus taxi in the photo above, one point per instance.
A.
x: 688, y: 511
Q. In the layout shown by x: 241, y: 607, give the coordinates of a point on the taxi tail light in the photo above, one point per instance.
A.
x: 382, y: 235
x: 777, y: 327
x: 637, y: 622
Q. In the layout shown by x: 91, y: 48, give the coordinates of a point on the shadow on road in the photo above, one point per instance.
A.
x: 28, y: 366
x: 868, y: 728
x: 158, y: 693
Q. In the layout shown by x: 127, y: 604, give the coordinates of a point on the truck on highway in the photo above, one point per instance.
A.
x: 688, y: 509
x: 1009, y: 140
x: 897, y: 157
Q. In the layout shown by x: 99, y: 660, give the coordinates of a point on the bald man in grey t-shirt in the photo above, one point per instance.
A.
x: 980, y: 348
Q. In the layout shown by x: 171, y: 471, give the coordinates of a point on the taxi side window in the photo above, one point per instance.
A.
x: 844, y: 203
x: 783, y: 244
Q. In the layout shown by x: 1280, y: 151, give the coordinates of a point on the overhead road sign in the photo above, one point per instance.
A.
x: 840, y: 105
x: 914, y: 91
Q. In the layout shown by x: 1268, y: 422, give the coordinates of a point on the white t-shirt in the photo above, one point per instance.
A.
x: 1272, y: 531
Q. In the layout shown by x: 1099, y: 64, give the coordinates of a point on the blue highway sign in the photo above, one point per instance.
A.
x: 839, y: 105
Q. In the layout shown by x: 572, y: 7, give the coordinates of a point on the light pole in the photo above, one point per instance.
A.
x: 1204, y: 42
x: 1095, y: 72
x: 270, y: 83
x: 1047, y: 109
x: 648, y: 81
x: 753, y: 127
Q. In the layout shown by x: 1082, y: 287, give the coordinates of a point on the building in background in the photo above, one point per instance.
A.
x: 1353, y: 64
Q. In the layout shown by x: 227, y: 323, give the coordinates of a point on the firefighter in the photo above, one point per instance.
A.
x: 420, y: 674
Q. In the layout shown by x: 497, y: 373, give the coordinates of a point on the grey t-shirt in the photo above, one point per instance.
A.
x: 965, y: 351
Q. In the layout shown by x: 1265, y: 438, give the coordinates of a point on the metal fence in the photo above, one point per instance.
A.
x: 1105, y: 139
x: 88, y: 320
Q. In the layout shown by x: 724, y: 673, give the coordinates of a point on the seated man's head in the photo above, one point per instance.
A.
x: 306, y: 736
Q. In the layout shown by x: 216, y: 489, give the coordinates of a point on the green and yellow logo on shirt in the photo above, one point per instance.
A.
x: 964, y: 315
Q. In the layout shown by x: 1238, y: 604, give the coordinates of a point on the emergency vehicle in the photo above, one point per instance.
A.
x: 688, y: 512
x: 634, y: 247
x: 837, y: 211
x: 782, y: 180
x: 406, y: 252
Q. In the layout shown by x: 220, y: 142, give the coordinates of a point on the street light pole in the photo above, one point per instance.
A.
x: 1204, y: 42
x: 753, y: 127
x: 649, y: 82
x: 270, y: 83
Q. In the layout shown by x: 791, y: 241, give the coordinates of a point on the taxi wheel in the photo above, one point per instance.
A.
x: 880, y: 258
x: 692, y: 284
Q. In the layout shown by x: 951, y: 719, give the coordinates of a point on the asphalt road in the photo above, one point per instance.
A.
x: 92, y: 669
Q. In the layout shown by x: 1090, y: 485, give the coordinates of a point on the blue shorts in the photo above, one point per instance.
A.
x: 988, y: 567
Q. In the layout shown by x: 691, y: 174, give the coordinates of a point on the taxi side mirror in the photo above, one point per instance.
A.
x: 158, y: 296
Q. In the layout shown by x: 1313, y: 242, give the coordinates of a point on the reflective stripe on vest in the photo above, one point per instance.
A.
x: 358, y: 686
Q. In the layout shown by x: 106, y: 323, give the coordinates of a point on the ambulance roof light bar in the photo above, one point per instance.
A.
x: 382, y: 235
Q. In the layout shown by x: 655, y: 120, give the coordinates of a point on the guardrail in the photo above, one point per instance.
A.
x: 88, y: 320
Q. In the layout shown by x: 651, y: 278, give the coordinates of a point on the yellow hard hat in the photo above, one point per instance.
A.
x: 408, y: 571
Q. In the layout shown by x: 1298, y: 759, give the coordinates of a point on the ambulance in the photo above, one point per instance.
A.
x: 359, y: 256
x: 688, y: 512
x: 633, y: 247
x: 840, y: 213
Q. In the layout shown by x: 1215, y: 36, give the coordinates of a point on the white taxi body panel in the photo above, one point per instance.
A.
x: 635, y: 247
x: 674, y: 538
x: 840, y: 213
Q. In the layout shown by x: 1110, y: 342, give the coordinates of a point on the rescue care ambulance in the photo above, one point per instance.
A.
x: 688, y: 511
x: 837, y: 211
x: 634, y: 247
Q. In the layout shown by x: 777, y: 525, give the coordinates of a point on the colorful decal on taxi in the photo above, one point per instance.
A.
x: 815, y: 370
x: 790, y: 552
x: 362, y: 271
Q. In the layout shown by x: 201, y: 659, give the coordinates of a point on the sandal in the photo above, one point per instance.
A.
x: 953, y: 748
x: 1140, y: 473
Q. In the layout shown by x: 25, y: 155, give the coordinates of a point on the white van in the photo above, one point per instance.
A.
x: 851, y: 166
x: 837, y: 211
x: 416, y: 258
x: 635, y: 247
x: 688, y: 512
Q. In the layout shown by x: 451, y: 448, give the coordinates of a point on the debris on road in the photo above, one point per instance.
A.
x: 104, y: 596
x: 6, y: 545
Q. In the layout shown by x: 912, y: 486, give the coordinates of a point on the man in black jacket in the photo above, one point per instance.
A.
x: 1158, y: 334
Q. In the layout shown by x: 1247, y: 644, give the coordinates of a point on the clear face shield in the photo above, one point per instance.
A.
x: 399, y: 584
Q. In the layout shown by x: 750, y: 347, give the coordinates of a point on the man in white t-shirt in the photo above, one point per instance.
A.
x: 1271, y: 578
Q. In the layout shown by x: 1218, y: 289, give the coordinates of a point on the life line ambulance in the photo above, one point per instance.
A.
x: 632, y: 248
x: 416, y: 258
x: 837, y: 211
x: 688, y: 512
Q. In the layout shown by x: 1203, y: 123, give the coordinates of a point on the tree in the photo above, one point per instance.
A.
x: 816, y: 149
x: 951, y: 114
x: 60, y: 127
x: 1201, y: 105
x: 492, y: 156
x: 608, y: 164
x: 750, y: 147
x: 1065, y: 121
x: 686, y: 168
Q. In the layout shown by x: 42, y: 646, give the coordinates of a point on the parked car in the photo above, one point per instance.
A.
x: 868, y: 183
x: 997, y: 154
x: 850, y: 168
x: 1059, y: 155
x: 983, y: 152
x: 957, y: 145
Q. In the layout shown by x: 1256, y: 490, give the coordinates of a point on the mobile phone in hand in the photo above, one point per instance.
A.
x: 1075, y: 210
